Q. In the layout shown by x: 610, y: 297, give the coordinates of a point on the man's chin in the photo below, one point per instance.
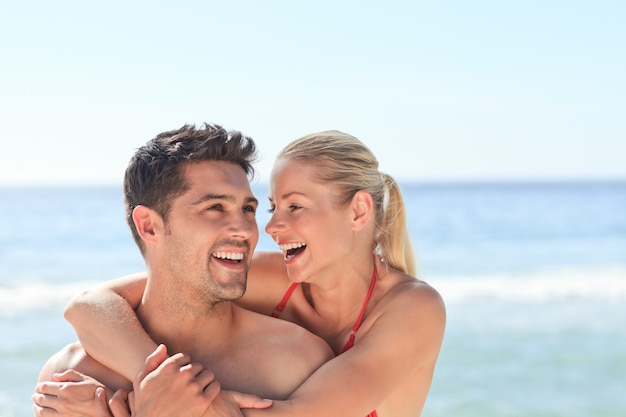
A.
x: 233, y: 292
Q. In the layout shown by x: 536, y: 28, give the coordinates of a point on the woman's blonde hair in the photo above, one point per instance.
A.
x: 350, y: 166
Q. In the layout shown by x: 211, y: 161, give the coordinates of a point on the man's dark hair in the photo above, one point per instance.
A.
x: 155, y: 174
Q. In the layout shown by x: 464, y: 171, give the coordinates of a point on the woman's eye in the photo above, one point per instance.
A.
x: 292, y: 207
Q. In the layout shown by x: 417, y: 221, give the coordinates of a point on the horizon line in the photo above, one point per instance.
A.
x: 401, y: 181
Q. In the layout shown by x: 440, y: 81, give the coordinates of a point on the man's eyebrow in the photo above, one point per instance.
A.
x: 210, y: 197
x: 222, y: 197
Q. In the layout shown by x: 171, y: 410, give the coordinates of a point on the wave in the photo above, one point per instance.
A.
x: 563, y: 284
x: 21, y: 298
x: 594, y: 284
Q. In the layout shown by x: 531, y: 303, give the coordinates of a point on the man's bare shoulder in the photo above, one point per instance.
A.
x: 299, y: 340
x: 73, y: 356
x: 283, y: 353
x: 289, y: 337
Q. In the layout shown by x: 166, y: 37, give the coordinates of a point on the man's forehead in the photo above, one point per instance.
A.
x: 224, y: 170
x: 217, y: 177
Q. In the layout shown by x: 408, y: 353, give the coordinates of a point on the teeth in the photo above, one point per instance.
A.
x: 234, y: 256
x: 288, y: 246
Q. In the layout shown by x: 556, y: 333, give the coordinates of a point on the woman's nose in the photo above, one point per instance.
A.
x: 274, y: 225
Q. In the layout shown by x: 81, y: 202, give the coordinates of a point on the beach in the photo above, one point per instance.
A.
x: 533, y: 276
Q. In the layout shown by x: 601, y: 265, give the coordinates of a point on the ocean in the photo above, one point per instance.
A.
x: 533, y: 276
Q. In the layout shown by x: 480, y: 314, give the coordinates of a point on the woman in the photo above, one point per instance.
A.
x: 346, y: 273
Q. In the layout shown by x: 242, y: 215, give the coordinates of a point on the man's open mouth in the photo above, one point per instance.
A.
x: 233, y: 257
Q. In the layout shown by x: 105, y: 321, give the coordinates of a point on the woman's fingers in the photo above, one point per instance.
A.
x: 119, y: 404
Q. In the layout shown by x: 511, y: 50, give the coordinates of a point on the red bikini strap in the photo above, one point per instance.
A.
x: 360, y: 319
x: 281, y: 306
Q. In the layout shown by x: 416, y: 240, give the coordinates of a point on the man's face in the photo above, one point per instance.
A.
x: 211, y: 232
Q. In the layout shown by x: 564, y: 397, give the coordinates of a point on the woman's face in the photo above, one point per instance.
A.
x: 311, y: 229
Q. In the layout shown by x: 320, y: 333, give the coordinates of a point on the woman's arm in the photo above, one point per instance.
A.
x: 267, y: 283
x: 394, y: 359
x: 107, y: 326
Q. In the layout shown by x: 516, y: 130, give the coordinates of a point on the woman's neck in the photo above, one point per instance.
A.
x: 338, y: 299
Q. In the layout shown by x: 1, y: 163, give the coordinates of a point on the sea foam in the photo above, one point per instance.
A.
x: 594, y: 284
x: 20, y: 299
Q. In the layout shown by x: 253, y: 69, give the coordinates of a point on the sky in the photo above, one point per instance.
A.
x: 440, y: 91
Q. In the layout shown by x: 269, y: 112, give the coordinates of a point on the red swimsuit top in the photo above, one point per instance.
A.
x: 281, y: 306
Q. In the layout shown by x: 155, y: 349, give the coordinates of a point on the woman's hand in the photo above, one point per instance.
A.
x: 230, y: 403
x: 71, y: 394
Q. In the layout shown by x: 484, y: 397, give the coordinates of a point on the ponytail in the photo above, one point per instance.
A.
x: 394, y: 243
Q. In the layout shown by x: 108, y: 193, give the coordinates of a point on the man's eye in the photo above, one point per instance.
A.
x: 249, y: 209
x: 215, y: 207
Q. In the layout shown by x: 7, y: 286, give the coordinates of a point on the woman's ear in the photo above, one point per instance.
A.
x: 362, y: 209
x: 147, y: 223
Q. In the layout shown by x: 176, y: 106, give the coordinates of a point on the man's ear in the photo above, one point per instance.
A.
x: 362, y: 209
x: 147, y: 222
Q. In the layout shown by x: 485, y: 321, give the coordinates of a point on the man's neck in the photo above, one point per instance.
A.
x: 199, y: 330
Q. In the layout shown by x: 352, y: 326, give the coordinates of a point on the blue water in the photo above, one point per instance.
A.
x: 533, y: 275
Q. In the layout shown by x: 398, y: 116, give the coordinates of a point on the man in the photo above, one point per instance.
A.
x: 192, y: 213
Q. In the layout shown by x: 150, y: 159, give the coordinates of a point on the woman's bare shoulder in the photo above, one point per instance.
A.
x: 411, y: 311
x: 411, y: 295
